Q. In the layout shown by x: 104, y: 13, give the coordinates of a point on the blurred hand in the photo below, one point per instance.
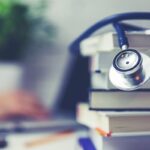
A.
x: 20, y: 103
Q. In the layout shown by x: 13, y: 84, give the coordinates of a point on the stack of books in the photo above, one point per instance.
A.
x: 116, y: 130
x: 117, y: 120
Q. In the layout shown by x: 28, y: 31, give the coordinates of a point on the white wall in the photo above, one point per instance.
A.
x: 74, y: 16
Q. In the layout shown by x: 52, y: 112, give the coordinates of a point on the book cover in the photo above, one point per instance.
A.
x: 134, y: 142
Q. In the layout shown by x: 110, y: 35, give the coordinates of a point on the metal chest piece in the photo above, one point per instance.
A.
x: 130, y: 70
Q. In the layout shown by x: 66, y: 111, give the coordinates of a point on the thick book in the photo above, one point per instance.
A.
x: 119, y: 100
x: 140, y: 142
x: 114, y: 123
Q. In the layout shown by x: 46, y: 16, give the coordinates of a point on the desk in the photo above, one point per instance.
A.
x: 18, y: 142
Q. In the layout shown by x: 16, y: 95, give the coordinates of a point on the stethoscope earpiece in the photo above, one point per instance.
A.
x: 129, y: 70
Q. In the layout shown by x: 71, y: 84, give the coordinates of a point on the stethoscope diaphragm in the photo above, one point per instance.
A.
x: 130, y: 70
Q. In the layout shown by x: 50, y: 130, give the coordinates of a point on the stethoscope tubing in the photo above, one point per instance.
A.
x: 75, y: 46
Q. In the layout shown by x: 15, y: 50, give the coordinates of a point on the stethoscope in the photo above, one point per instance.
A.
x: 130, y: 68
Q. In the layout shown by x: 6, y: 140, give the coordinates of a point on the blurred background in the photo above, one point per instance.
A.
x: 34, y: 40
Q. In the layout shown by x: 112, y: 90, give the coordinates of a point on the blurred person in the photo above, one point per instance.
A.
x: 21, y: 104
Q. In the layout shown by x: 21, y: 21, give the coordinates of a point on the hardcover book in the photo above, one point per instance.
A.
x: 114, y: 123
x: 119, y: 100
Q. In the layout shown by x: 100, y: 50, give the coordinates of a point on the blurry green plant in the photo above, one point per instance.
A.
x: 16, y: 28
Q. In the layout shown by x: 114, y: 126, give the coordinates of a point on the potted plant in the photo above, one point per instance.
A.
x: 16, y: 28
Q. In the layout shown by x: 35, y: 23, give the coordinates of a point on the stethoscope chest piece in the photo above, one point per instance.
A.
x: 130, y: 70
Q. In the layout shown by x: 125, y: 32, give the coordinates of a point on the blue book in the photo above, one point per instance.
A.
x: 86, y: 143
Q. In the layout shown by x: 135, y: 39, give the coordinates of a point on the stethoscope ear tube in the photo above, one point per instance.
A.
x: 75, y: 45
